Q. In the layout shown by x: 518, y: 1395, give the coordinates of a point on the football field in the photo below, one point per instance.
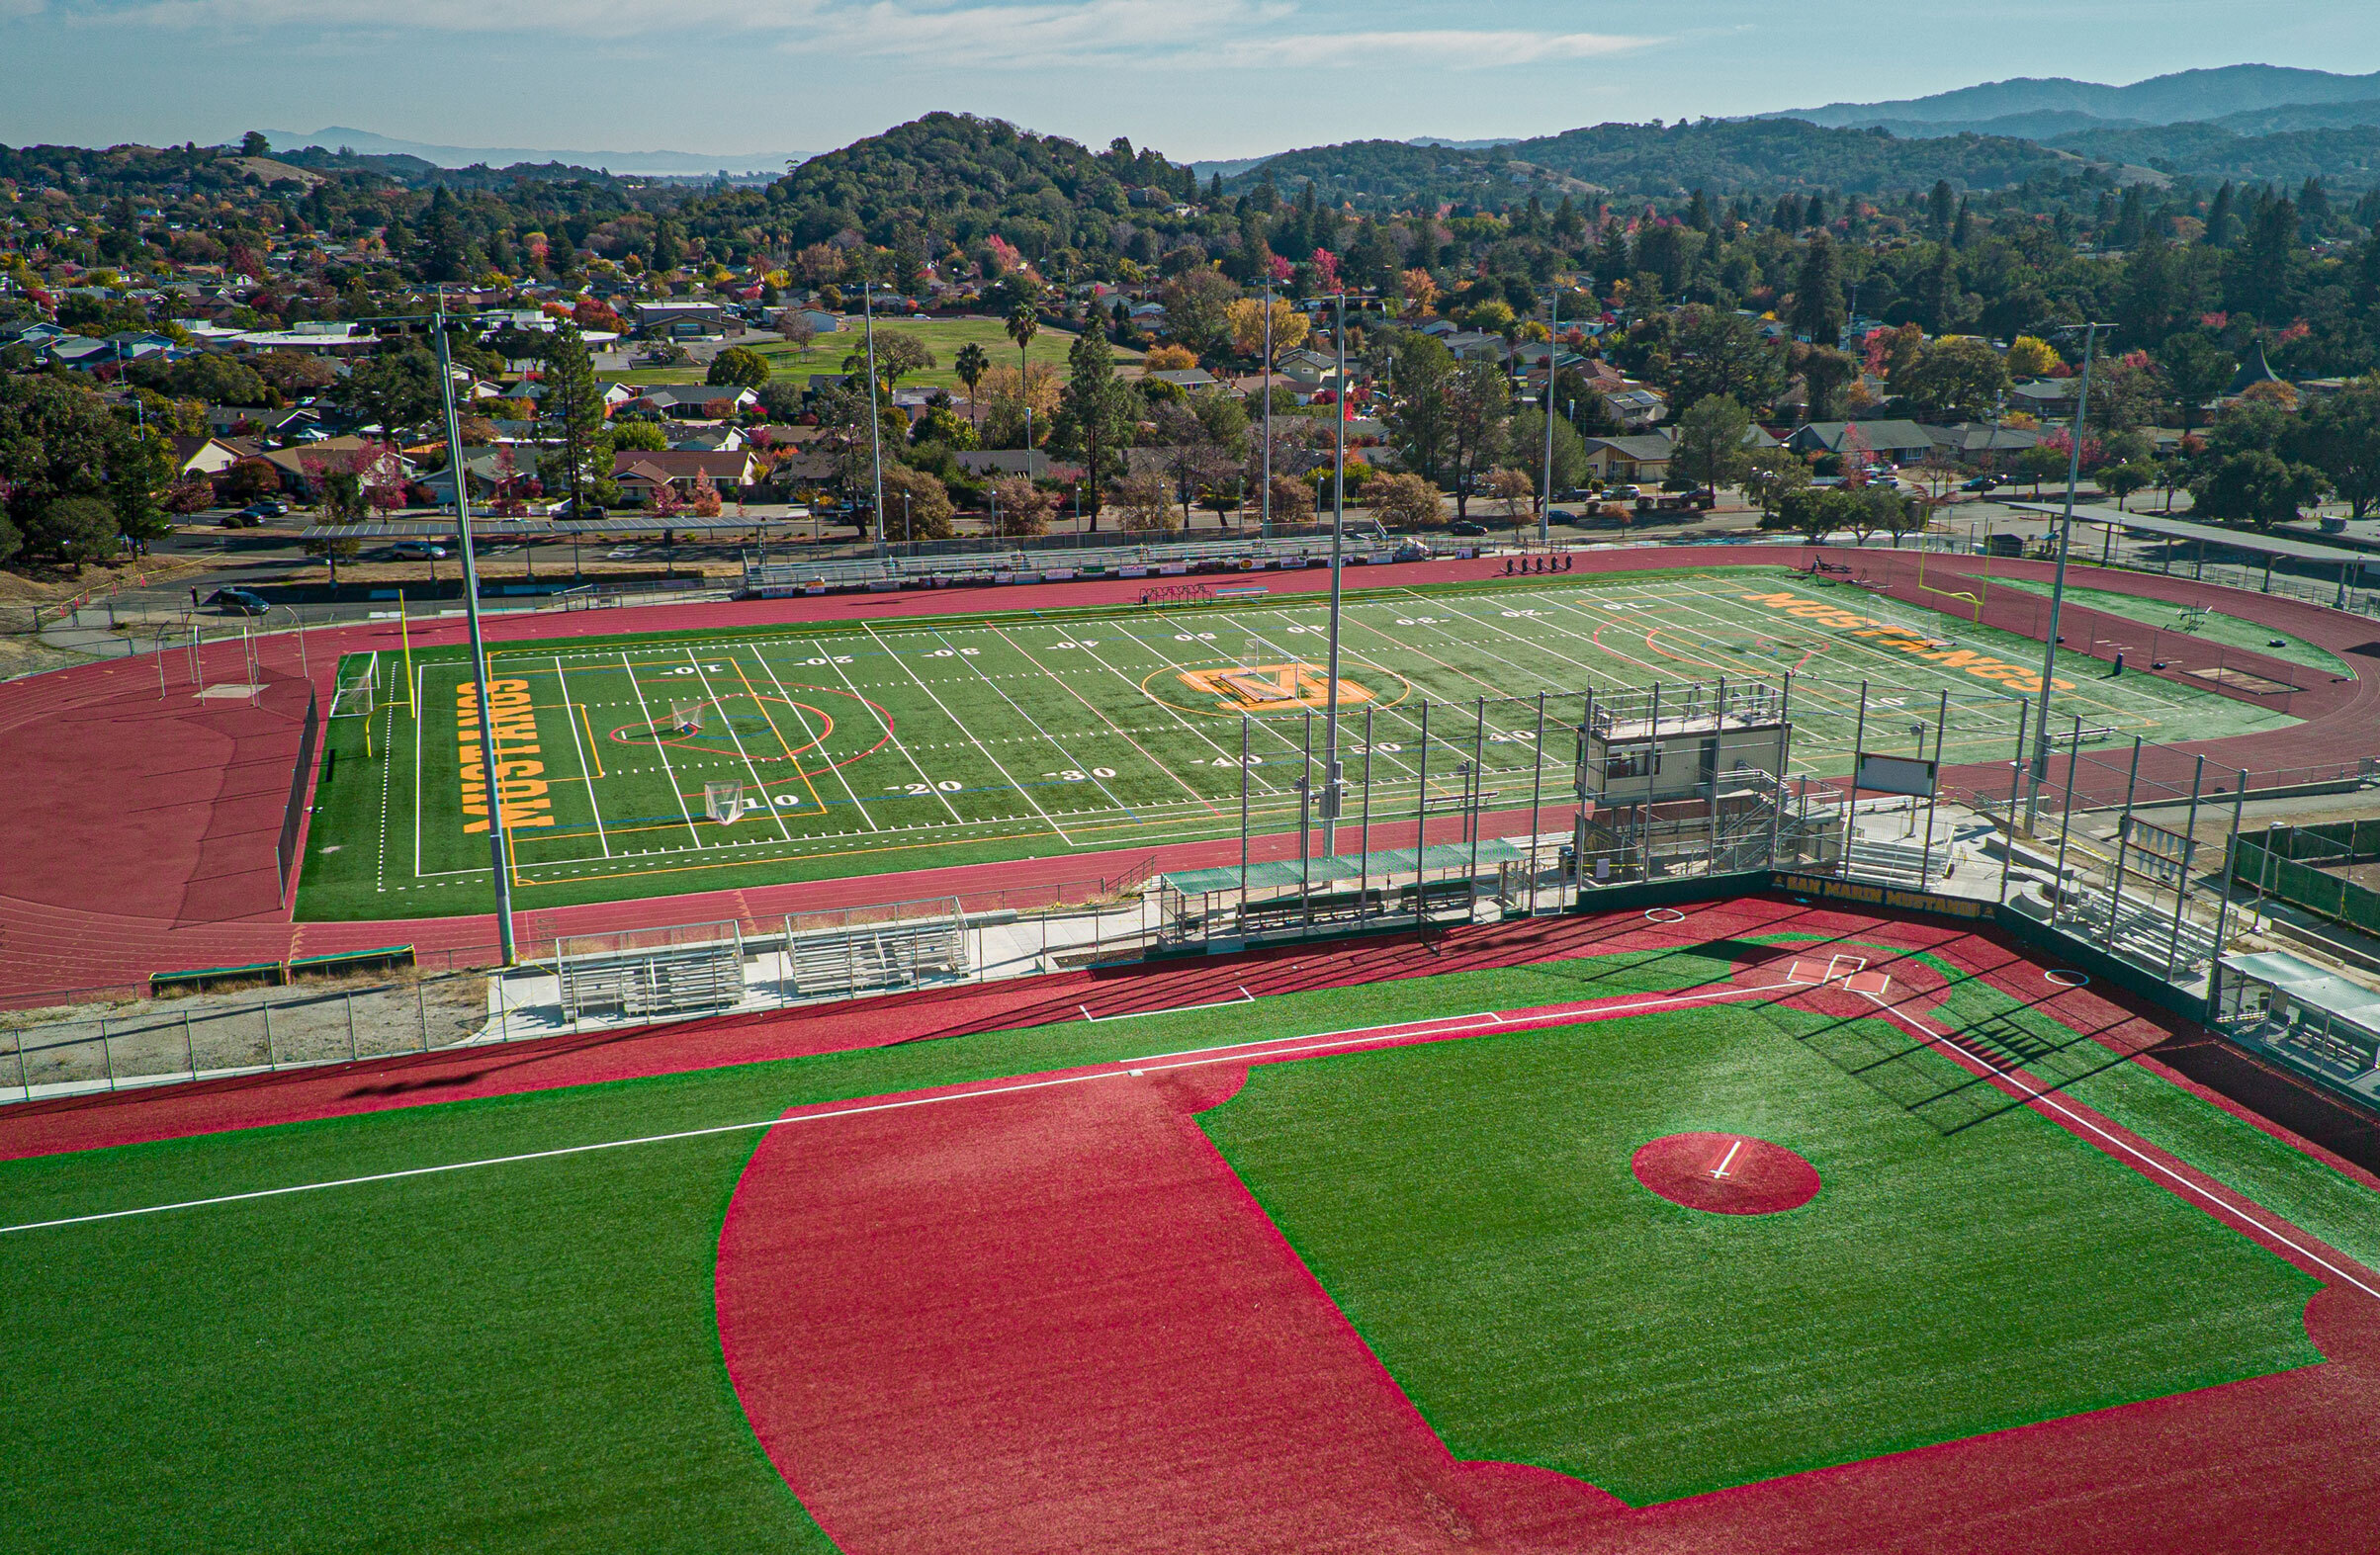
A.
x: 658, y: 764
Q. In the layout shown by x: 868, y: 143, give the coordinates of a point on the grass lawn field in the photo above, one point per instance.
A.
x: 2230, y: 630
x: 524, y: 1357
x: 954, y: 739
x: 944, y: 337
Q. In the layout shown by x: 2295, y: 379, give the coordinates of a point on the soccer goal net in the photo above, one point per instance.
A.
x: 1263, y: 673
x: 723, y: 802
x: 353, y: 698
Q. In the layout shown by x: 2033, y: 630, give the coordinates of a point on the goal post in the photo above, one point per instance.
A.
x: 355, y: 694
x: 723, y: 802
x: 1263, y: 673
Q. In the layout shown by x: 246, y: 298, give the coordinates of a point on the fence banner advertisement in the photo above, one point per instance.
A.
x: 1835, y: 889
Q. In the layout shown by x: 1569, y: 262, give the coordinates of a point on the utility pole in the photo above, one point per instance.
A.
x: 2066, y: 537
x: 498, y: 849
x: 867, y: 306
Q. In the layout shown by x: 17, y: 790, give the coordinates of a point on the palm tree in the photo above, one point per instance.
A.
x: 1023, y: 324
x: 972, y: 364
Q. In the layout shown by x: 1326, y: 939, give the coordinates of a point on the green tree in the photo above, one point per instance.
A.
x: 2196, y: 370
x: 1773, y: 474
x: 2339, y: 435
x: 1024, y: 323
x: 898, y: 355
x: 971, y: 363
x: 1417, y: 420
x: 737, y: 366
x: 1527, y: 445
x: 253, y: 143
x: 60, y: 441
x: 573, y: 412
x: 77, y: 529
x: 2256, y: 487
x: 2123, y: 480
x: 1093, y: 416
x: 1478, y: 407
x: 1710, y: 441
x: 396, y: 393
x: 917, y: 505
x: 2041, y: 463
x: 441, y: 255
x: 1953, y: 381
x: 643, y: 437
x: 1718, y: 351
x: 1818, y: 309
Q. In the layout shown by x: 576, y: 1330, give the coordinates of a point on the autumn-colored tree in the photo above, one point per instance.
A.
x: 2030, y: 356
x: 705, y: 501
x: 1403, y: 501
x: 1143, y: 502
x: 1024, y: 508
x: 1170, y: 358
x: 1246, y: 318
x: 917, y: 505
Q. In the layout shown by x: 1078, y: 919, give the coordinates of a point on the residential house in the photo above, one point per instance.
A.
x: 2046, y: 398
x: 683, y: 321
x: 1189, y: 380
x: 302, y: 468
x: 1476, y: 345
x: 708, y: 439
x: 1642, y: 458
x: 997, y: 464
x: 1637, y: 406
x: 639, y: 473
x: 1894, y: 442
x: 491, y: 472
x: 202, y: 456
x: 1979, y: 445
x: 1305, y: 370
x: 695, y: 402
x: 821, y: 321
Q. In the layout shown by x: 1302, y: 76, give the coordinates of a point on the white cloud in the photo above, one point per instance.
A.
x: 1454, y: 49
x: 966, y: 35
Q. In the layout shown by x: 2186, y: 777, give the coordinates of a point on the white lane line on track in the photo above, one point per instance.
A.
x: 1184, y: 1057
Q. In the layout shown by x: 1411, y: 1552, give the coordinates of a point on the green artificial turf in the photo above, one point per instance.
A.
x: 524, y: 1357
x: 2231, y: 631
x: 929, y: 742
x: 1471, y: 1207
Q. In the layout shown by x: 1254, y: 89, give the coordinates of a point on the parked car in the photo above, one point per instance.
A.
x: 240, y: 602
x: 267, y: 507
x: 1563, y: 515
x: 1626, y: 493
x: 244, y: 519
x: 1466, y: 526
x: 1981, y: 483
x: 416, y: 551
x: 565, y: 509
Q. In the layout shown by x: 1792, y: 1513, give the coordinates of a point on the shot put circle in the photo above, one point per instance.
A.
x: 1725, y: 1173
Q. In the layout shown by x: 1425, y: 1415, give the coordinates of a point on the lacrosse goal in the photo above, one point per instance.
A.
x: 723, y: 802
x: 354, y: 697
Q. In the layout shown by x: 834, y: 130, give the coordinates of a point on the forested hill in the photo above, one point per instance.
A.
x: 960, y: 172
x: 1659, y: 162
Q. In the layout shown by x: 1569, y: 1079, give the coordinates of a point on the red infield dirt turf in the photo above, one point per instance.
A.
x: 175, y: 869
x: 1725, y: 1173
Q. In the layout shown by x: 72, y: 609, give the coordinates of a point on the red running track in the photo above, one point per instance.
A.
x: 1052, y: 1319
x: 150, y: 843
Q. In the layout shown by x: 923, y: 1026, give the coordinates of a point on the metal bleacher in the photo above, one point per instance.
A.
x: 876, y: 957
x: 677, y: 981
x: 1898, y: 863
x: 2143, y: 931
x: 1064, y: 556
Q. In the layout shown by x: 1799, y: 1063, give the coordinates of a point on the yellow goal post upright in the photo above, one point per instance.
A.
x: 405, y: 636
x: 1936, y: 532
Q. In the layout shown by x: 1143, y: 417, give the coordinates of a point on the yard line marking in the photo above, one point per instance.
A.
x: 647, y: 713
x: 1086, y: 768
x: 1020, y: 789
x: 1245, y: 997
x: 591, y: 802
x: 2025, y: 1084
x: 1437, y: 1028
x: 1719, y: 1171
x: 421, y: 681
x: 1160, y: 766
x: 736, y: 741
x: 820, y: 738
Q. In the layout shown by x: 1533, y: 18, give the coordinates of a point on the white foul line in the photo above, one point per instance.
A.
x: 1719, y: 1171
x: 1190, y: 1058
x: 2143, y: 1158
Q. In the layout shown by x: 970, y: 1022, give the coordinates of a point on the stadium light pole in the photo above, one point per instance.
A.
x: 498, y: 848
x: 2066, y: 538
x: 1554, y: 330
x: 1263, y: 523
x: 1332, y: 780
x: 868, y: 307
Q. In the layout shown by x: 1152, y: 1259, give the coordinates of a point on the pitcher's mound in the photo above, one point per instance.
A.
x: 1725, y: 1173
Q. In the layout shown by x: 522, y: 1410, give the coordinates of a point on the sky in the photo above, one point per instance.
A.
x: 1190, y: 78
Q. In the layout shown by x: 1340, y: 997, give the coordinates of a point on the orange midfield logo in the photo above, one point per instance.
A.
x: 1273, y: 688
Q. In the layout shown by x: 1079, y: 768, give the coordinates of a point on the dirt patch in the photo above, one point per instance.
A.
x: 1725, y: 1173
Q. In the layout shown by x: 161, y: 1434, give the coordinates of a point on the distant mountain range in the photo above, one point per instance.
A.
x: 677, y: 164
x: 2245, y: 99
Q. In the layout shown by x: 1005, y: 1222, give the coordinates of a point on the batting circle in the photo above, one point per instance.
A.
x: 1663, y: 915
x: 1725, y: 1173
x: 2066, y: 977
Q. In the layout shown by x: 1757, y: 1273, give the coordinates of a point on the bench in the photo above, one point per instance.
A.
x: 1241, y: 591
x: 680, y: 981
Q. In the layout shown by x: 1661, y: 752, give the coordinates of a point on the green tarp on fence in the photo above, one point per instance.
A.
x: 2279, y: 870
